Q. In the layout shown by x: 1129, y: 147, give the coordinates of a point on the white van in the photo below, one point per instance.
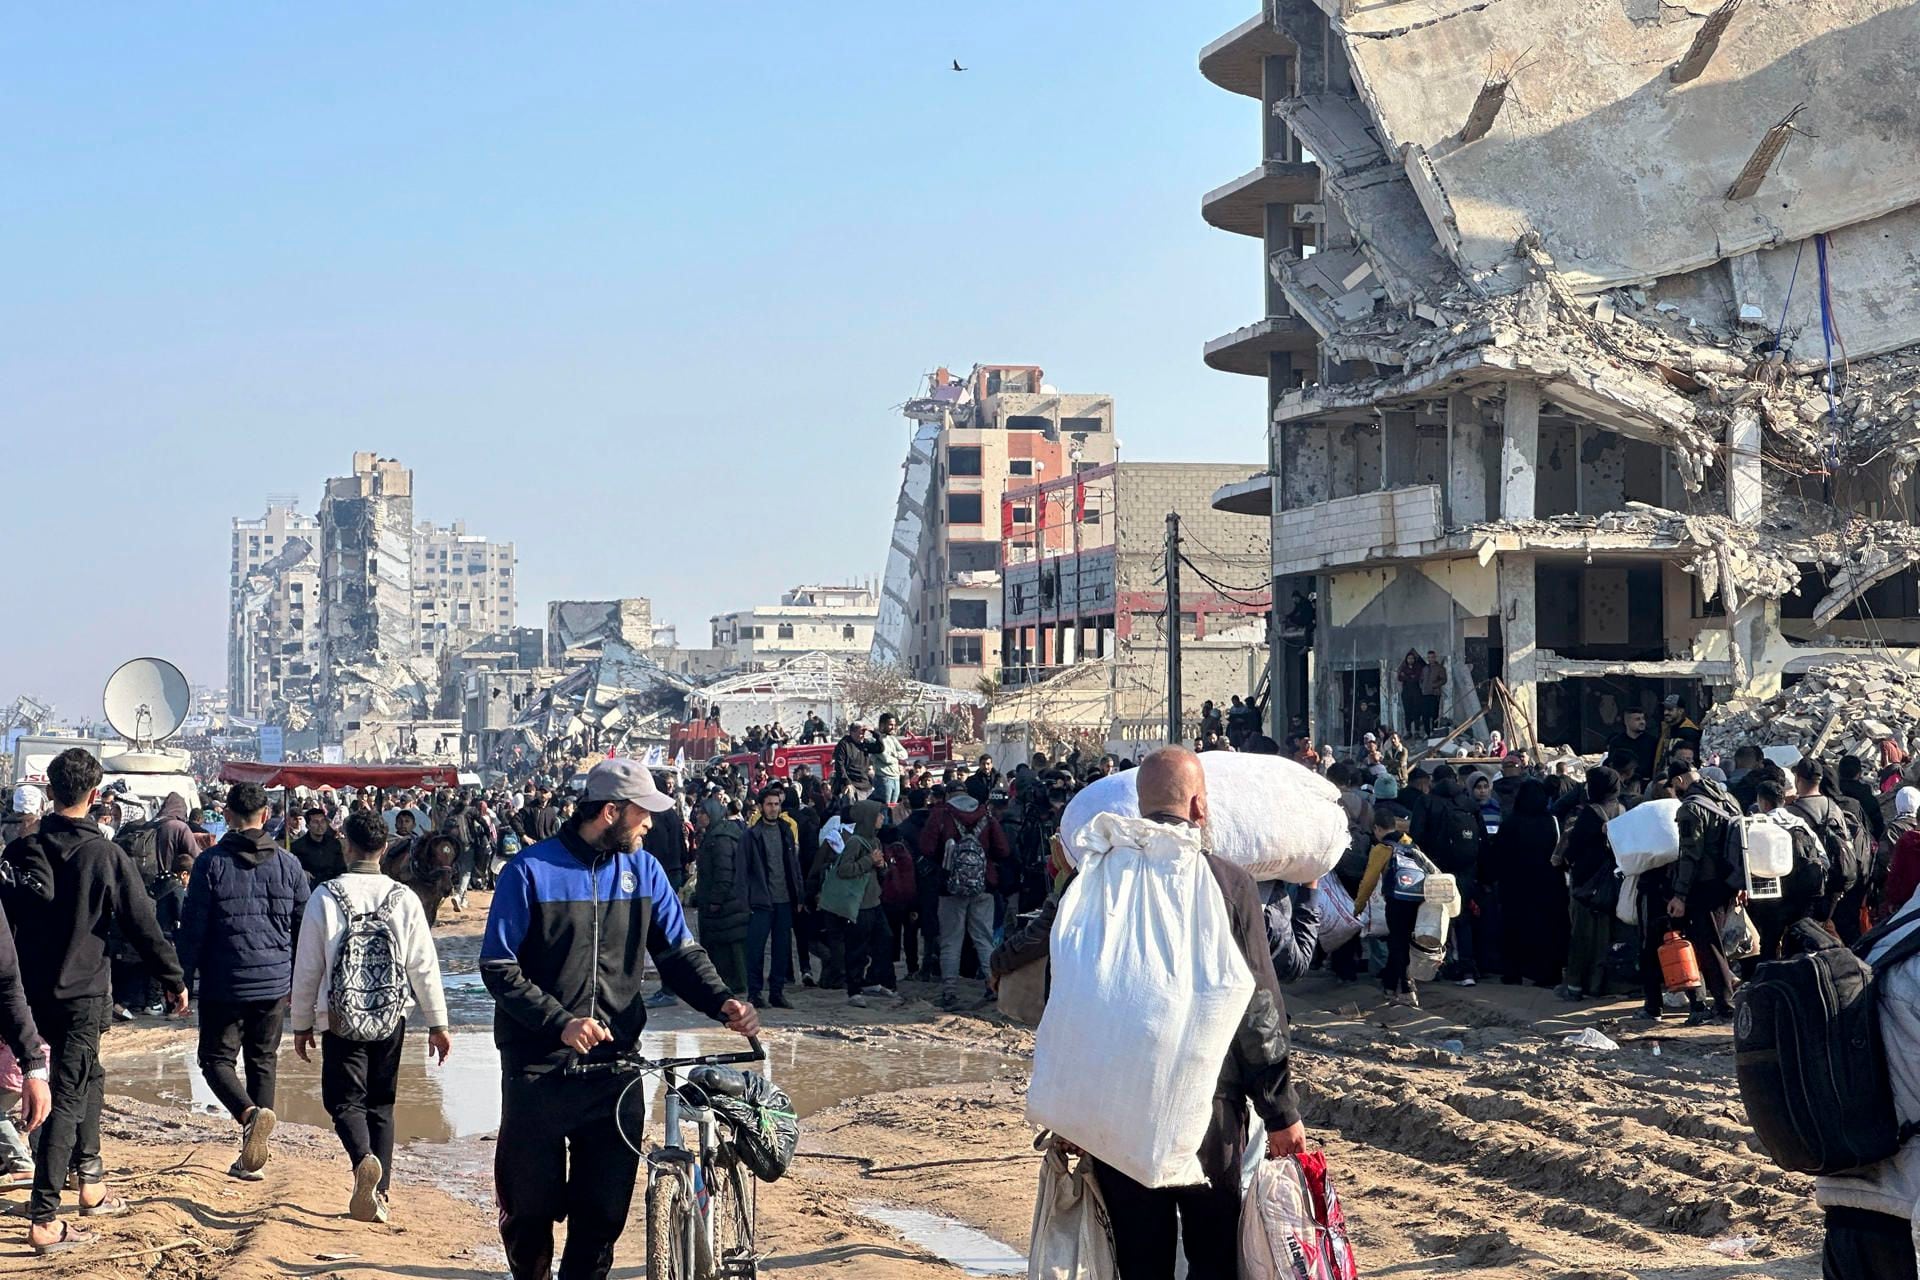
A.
x: 139, y: 780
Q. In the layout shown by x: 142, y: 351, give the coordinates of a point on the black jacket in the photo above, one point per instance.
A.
x: 721, y: 890
x: 16, y: 1018
x: 851, y: 762
x: 72, y: 885
x: 567, y: 937
x: 1588, y: 848
x: 543, y: 823
x: 760, y: 870
x: 1292, y: 917
x: 322, y: 859
x: 236, y: 931
x: 666, y: 840
x: 1858, y: 790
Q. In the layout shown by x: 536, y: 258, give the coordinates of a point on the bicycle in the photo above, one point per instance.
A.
x: 700, y: 1201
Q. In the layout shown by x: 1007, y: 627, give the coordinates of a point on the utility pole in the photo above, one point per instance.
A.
x: 1176, y: 727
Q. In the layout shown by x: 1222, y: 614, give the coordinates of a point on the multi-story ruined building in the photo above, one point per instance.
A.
x: 369, y: 666
x: 808, y: 619
x: 463, y: 587
x: 1590, y: 347
x: 273, y: 634
x: 1003, y: 426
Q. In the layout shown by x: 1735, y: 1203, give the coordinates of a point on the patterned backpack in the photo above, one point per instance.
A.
x: 367, y: 990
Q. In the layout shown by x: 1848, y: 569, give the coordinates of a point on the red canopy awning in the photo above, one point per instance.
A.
x: 340, y: 775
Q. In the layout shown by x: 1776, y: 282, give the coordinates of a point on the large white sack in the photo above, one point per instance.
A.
x: 1278, y: 819
x: 1071, y: 1239
x: 1646, y: 836
x: 1149, y: 987
x: 1339, y: 922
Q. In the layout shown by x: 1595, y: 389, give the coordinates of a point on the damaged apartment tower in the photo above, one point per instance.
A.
x: 369, y: 668
x: 1609, y: 397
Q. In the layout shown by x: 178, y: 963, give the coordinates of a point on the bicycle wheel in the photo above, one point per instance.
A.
x: 733, y: 1192
x: 668, y: 1219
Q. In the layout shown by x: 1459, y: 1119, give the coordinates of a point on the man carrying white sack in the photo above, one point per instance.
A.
x: 1217, y: 990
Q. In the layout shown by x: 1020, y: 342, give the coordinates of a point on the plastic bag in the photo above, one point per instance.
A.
x: 1430, y: 926
x: 1339, y: 923
x: 1424, y: 963
x: 1278, y: 819
x: 1291, y: 1224
x: 1627, y: 910
x: 1143, y: 956
x: 1738, y: 938
x: 764, y: 1126
x: 1374, y: 920
x: 1072, y: 1234
x: 1646, y: 836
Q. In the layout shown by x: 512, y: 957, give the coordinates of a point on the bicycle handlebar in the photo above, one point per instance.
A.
x: 637, y: 1064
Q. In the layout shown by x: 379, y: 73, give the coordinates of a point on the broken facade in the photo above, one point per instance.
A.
x: 1589, y: 366
x: 577, y: 630
x: 273, y: 633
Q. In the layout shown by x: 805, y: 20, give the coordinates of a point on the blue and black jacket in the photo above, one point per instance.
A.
x: 564, y: 939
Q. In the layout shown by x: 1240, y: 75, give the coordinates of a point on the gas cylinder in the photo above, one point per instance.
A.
x: 1678, y: 965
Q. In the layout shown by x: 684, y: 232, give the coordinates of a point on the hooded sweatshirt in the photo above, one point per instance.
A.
x: 172, y: 834
x: 244, y: 899
x: 964, y: 813
x: 71, y: 884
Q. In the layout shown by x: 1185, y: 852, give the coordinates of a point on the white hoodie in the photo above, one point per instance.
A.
x: 325, y: 924
x: 1891, y: 1187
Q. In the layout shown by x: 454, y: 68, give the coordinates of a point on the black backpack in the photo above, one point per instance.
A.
x: 1809, y: 1058
x: 141, y: 842
x: 1458, y: 829
x: 1836, y: 836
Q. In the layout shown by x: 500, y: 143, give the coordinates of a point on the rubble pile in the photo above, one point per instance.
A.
x: 1844, y: 707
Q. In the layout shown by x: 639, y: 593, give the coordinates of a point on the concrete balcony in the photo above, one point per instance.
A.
x: 1365, y: 529
x: 1246, y: 350
x: 1233, y: 61
x: 1250, y: 497
x: 1241, y: 205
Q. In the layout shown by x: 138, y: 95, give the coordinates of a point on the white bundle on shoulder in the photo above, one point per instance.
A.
x: 1149, y: 988
x: 1277, y: 819
x: 1646, y: 836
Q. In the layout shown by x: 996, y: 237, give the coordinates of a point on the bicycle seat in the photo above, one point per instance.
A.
x: 720, y: 1081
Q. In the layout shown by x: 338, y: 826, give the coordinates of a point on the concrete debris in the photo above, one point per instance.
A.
x: 1840, y: 708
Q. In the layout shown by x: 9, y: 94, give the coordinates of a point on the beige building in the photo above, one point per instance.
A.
x: 464, y: 586
x: 273, y: 613
x: 808, y: 619
x: 1002, y: 427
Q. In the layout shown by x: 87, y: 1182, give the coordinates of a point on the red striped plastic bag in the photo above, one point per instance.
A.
x: 1291, y: 1224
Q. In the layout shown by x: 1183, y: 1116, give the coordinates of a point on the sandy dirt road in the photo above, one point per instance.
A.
x: 1465, y: 1140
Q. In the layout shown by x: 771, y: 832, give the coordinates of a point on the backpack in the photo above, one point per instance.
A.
x: 1808, y: 1056
x: 1406, y: 875
x: 1835, y: 839
x: 966, y: 863
x: 367, y: 989
x: 1459, y: 838
x: 141, y: 842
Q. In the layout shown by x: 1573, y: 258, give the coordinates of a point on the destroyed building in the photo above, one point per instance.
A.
x: 370, y: 676
x: 1589, y: 338
x: 577, y: 630
x: 273, y: 632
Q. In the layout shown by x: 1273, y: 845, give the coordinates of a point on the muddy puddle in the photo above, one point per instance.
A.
x: 461, y: 1099
x: 973, y: 1251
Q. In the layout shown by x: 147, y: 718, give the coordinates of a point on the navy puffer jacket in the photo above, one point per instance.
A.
x: 236, y: 930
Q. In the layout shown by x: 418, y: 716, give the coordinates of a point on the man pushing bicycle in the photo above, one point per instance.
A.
x: 572, y: 921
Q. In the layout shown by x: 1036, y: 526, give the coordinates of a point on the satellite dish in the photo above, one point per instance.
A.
x: 147, y: 699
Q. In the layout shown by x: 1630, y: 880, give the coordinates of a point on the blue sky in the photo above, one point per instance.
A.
x: 635, y: 285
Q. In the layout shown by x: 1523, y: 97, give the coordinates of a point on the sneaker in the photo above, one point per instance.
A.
x: 780, y: 1001
x: 1469, y: 981
x: 366, y: 1190
x: 662, y: 999
x: 1651, y: 1013
x: 806, y: 980
x: 857, y: 1001
x: 155, y: 1010
x: 238, y: 1169
x: 253, y: 1137
x: 1699, y: 1016
x: 122, y: 1014
x: 1413, y: 999
x: 381, y: 1211
x: 876, y: 990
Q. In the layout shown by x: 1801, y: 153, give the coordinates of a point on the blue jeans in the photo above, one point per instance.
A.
x: 775, y: 922
x: 886, y: 789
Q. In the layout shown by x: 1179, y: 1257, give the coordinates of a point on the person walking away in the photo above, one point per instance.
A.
x: 892, y: 758
x: 1518, y: 866
x: 774, y: 885
x: 721, y: 893
x: 1829, y: 822
x: 667, y: 842
x: 900, y: 900
x: 245, y: 897
x: 1453, y: 839
x: 1702, y: 889
x: 1586, y: 855
x: 926, y: 893
x: 965, y: 847
x: 170, y: 896
x: 65, y: 882
x: 1149, y: 1224
x: 319, y: 849
x: 1394, y: 853
x: 365, y: 947
x: 1866, y: 826
x: 851, y: 894
x: 1802, y: 890
x: 1870, y: 1212
x: 565, y: 975
x: 27, y: 1068
x: 1903, y: 865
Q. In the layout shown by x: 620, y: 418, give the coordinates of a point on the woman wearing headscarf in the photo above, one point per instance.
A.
x: 1533, y: 892
x: 1903, y: 869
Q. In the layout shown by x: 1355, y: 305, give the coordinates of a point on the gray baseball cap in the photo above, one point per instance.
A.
x: 621, y: 779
